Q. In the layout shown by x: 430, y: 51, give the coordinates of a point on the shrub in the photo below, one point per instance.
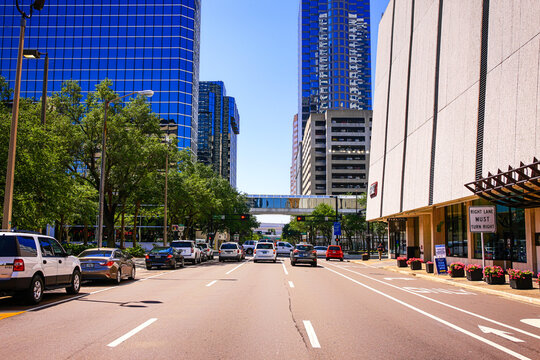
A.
x: 136, y: 251
x: 401, y: 258
x: 472, y: 267
x: 76, y: 249
x: 455, y: 266
x: 413, y: 260
x: 518, y: 274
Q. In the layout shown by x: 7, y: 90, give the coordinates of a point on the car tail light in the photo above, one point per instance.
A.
x: 274, y: 251
x: 219, y: 252
x: 146, y: 256
x: 107, y: 264
x: 314, y: 252
x: 254, y: 251
x: 295, y: 251
x: 18, y: 265
x: 192, y: 250
x: 169, y: 256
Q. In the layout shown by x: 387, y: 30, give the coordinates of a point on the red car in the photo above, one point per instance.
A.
x: 334, y: 252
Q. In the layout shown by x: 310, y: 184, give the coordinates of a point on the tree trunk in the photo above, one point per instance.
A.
x: 134, y: 235
x: 85, y: 234
x: 123, y: 228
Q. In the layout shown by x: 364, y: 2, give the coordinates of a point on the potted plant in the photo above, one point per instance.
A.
x: 429, y: 267
x: 415, y: 263
x: 494, y: 275
x: 456, y: 269
x: 401, y: 261
x: 520, y: 279
x: 365, y: 256
x: 474, y: 272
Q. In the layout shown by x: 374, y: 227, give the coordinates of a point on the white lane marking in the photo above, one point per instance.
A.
x: 503, y: 334
x: 438, y: 291
x: 436, y: 318
x: 311, y: 334
x: 230, y: 271
x: 532, y: 322
x: 160, y: 274
x: 396, y: 278
x: 211, y: 283
x: 448, y: 305
x: 58, y: 302
x: 98, y: 291
x: 291, y: 284
x: 123, y: 338
x: 284, y: 268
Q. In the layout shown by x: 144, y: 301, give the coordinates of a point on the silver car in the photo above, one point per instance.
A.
x: 106, y: 264
x: 230, y: 251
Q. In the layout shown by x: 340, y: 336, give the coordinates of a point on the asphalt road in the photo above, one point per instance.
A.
x: 271, y: 311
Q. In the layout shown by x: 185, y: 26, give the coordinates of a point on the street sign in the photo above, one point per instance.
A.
x: 236, y: 237
x: 337, y: 228
x: 440, y: 259
x: 482, y: 219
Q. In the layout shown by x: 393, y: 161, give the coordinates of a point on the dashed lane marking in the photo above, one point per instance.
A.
x: 211, y: 283
x: 311, y: 334
x: 230, y: 271
x: 284, y: 268
x: 123, y: 338
x: 291, y: 284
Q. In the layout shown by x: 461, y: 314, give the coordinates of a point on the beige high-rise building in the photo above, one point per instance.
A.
x: 335, y: 152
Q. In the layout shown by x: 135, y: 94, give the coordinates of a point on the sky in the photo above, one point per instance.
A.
x: 252, y: 46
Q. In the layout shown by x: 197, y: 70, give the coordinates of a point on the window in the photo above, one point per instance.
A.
x: 46, y: 248
x: 27, y: 246
x: 456, y: 230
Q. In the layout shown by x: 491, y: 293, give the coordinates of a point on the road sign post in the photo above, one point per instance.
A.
x: 483, y: 219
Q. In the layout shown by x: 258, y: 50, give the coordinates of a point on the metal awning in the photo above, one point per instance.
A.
x: 519, y: 188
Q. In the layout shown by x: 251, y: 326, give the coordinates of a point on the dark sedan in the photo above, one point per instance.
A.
x: 164, y: 256
x: 304, y: 253
x: 106, y: 263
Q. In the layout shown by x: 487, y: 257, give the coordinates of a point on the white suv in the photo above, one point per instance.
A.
x: 189, y: 251
x: 31, y: 263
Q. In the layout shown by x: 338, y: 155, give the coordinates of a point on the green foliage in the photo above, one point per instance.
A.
x: 76, y: 249
x: 136, y: 251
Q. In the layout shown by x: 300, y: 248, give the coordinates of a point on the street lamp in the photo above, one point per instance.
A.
x: 35, y: 54
x: 147, y: 93
x: 165, y: 228
x: 10, y: 173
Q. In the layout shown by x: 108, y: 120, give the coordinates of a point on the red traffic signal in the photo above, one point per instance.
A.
x: 244, y: 216
x: 301, y: 218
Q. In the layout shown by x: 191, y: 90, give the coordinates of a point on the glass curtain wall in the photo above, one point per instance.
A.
x: 456, y: 230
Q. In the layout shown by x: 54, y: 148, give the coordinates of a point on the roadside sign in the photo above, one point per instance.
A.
x: 236, y: 237
x: 482, y: 219
x: 337, y: 228
x: 440, y: 259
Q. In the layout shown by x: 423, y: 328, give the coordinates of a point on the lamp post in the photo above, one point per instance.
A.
x: 10, y: 173
x: 147, y: 93
x: 35, y: 54
x: 165, y: 228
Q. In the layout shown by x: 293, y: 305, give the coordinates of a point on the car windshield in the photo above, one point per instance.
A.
x: 182, y: 244
x: 334, y: 248
x: 229, y: 246
x: 160, y: 250
x: 304, y: 247
x: 265, y: 246
x: 96, y: 253
x: 320, y: 248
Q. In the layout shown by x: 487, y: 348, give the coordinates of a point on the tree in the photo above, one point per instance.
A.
x: 291, y: 234
x: 319, y: 216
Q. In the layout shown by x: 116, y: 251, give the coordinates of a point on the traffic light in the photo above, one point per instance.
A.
x: 210, y: 237
x: 300, y: 218
x: 244, y: 216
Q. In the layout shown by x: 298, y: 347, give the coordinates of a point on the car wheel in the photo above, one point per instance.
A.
x: 148, y: 267
x: 118, y: 279
x: 132, y: 276
x: 341, y: 259
x: 274, y: 260
x: 314, y: 264
x: 327, y: 259
x: 293, y: 263
x: 75, y: 283
x: 220, y: 260
x: 255, y: 261
x: 34, y: 294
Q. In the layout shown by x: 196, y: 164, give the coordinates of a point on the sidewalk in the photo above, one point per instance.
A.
x: 531, y: 296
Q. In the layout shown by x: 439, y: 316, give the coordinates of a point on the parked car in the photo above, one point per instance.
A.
x: 164, y: 256
x: 264, y: 251
x: 106, y: 264
x: 321, y: 250
x: 204, y: 256
x: 249, y: 246
x: 31, y: 263
x: 283, y: 247
x: 334, y: 252
x: 189, y: 251
x: 230, y: 251
x: 304, y: 253
x: 205, y: 248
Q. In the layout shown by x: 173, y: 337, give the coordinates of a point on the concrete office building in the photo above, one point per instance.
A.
x: 295, y: 158
x: 137, y: 44
x: 457, y: 124
x: 335, y: 154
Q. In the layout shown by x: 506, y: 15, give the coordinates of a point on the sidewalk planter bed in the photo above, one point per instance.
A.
x: 365, y: 257
x: 494, y: 275
x: 415, y: 263
x: 456, y: 269
x: 520, y: 279
x: 429, y: 267
x: 474, y: 272
x: 401, y: 261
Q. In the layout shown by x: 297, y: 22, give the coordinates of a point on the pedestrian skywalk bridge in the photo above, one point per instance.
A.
x: 301, y: 204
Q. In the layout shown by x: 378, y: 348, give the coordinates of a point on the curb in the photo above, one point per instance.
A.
x: 522, y: 298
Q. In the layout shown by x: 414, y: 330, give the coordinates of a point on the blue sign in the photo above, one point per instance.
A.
x: 441, y: 265
x: 337, y: 228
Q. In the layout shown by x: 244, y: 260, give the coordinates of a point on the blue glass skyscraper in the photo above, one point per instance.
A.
x: 219, y: 124
x: 138, y: 44
x: 334, y: 56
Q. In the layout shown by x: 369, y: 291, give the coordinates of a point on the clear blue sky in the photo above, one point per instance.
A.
x: 253, y: 47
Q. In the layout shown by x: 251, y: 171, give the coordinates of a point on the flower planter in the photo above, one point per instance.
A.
x: 457, y: 273
x: 475, y: 275
x: 365, y: 257
x: 416, y: 265
x: 402, y: 263
x: 521, y: 283
x: 494, y: 280
x: 429, y: 268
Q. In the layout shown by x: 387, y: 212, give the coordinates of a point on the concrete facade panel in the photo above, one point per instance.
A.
x: 392, y: 180
x: 402, y: 27
x: 383, y: 47
x: 423, y: 9
x: 416, y: 180
x: 379, y: 119
x: 529, y: 20
x: 374, y: 204
x: 398, y: 97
